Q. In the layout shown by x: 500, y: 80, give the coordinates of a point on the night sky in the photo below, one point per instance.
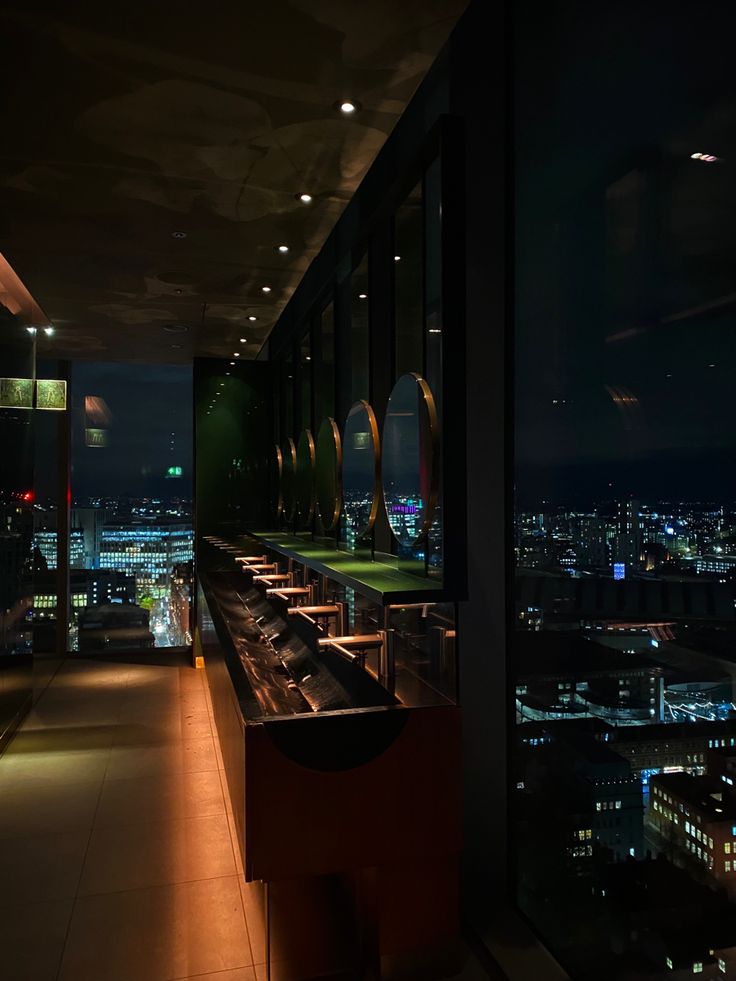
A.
x: 147, y: 403
x: 625, y: 302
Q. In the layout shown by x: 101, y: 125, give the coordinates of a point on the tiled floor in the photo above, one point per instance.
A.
x: 117, y: 861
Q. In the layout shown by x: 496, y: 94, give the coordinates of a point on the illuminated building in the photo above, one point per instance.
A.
x: 627, y: 542
x: 45, y: 541
x: 696, y: 818
x: 147, y: 551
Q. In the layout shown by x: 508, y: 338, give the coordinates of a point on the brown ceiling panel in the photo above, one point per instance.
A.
x: 152, y: 158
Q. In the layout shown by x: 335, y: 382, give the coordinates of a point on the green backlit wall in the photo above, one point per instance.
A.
x: 233, y: 436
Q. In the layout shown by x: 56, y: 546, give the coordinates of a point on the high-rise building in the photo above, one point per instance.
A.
x: 147, y: 551
x: 45, y: 541
x: 593, y: 549
x: 627, y: 543
x: 91, y: 521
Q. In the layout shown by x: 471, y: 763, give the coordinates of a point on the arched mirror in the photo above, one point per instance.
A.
x: 288, y: 479
x: 328, y: 475
x: 360, y: 469
x: 410, y: 458
x: 275, y: 476
x: 305, y: 478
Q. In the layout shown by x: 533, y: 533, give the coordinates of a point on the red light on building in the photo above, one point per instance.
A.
x: 27, y: 496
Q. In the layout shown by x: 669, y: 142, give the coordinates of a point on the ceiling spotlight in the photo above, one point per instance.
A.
x: 252, y: 317
x: 362, y: 296
x: 243, y: 340
x: 705, y: 157
x: 305, y: 198
x: 397, y: 258
x: 282, y: 248
x: 435, y: 330
x: 265, y: 289
x: 48, y: 331
x: 348, y: 107
x: 178, y: 234
x: 227, y: 373
x: 232, y: 363
x: 308, y: 357
x: 236, y: 354
x: 31, y: 330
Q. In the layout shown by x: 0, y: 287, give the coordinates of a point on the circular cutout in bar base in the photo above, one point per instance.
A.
x: 305, y: 479
x: 328, y: 474
x: 361, y: 471
x: 275, y: 478
x: 410, y: 459
x: 288, y: 479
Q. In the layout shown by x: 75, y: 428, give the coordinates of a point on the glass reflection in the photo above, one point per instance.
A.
x: 360, y: 471
x: 410, y: 445
x: 275, y: 482
x: 288, y: 478
x: 328, y: 473
x: 305, y: 478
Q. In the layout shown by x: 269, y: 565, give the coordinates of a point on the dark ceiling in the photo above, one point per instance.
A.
x: 127, y: 123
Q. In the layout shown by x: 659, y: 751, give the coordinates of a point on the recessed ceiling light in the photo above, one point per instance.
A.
x: 227, y: 372
x: 48, y: 331
x: 178, y: 234
x: 232, y: 362
x: 397, y: 258
x: 282, y: 248
x: 309, y: 357
x: 304, y: 198
x: 31, y: 330
x: 236, y: 354
x: 243, y: 340
x: 178, y: 291
x: 362, y: 296
x: 705, y: 157
x: 252, y: 317
x: 265, y: 289
x: 435, y: 330
x: 348, y: 107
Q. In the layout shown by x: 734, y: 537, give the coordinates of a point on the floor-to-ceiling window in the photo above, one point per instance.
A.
x: 130, y: 499
x: 624, y: 652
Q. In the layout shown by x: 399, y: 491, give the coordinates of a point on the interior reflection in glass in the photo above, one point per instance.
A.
x: 288, y: 478
x: 360, y: 470
x: 275, y: 478
x: 410, y: 458
x: 305, y: 478
x: 327, y: 477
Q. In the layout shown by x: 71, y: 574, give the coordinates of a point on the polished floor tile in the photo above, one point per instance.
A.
x: 32, y: 937
x: 35, y: 868
x: 186, y: 755
x: 134, y: 856
x: 33, y: 807
x: 239, y: 974
x: 157, y: 934
x: 58, y: 768
x: 174, y: 795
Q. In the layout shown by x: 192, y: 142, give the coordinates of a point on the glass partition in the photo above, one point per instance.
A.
x: 361, y: 462
x: 409, y: 283
x: 324, y: 370
x: 131, y: 543
x: 360, y: 301
x: 624, y: 529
